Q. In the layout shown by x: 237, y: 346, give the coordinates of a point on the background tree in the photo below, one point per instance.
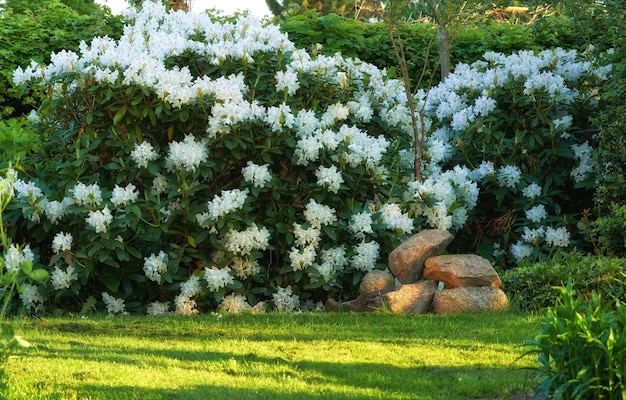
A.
x: 82, y: 7
x: 357, y: 9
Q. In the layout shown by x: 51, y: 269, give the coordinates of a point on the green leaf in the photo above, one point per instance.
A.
x: 39, y: 275
x: 27, y: 267
x: 111, y: 283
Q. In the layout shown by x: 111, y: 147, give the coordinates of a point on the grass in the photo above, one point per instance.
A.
x: 275, y: 356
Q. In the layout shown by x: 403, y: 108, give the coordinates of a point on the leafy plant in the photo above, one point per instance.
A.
x: 530, y: 284
x: 581, y: 349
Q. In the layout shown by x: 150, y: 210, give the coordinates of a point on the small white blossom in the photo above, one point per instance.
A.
x: 329, y: 177
x: 227, y: 202
x: 143, y: 154
x: 558, y: 237
x: 114, y: 305
x: 365, y: 256
x: 532, y: 191
x: 124, y: 196
x: 89, y: 196
x: 159, y: 185
x: 99, y: 219
x: 62, y: 242
x: 258, y: 175
x: 302, y: 258
x: 63, y: 279
x: 319, y: 215
x: 509, y: 176
x: 287, y: 80
x: 186, y: 155
x: 158, y: 308
x: 155, y: 266
x: 31, y: 298
x: 361, y: 224
x: 217, y: 278
x: 243, y: 242
x: 521, y: 251
x: 234, y: 304
x: 537, y: 213
x: 285, y: 300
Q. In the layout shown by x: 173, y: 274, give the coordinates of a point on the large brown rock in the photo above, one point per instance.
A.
x: 412, y: 298
x: 460, y: 270
x: 376, y: 282
x: 406, y: 261
x: 469, y: 299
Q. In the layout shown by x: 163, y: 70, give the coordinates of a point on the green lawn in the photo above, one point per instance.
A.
x: 275, y: 356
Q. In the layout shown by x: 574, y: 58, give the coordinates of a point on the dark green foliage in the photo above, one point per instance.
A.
x: 32, y: 35
x: 582, y: 349
x: 82, y: 7
x: 531, y: 285
x: 349, y: 8
x: 17, y: 139
x: 370, y: 42
x: 608, y: 230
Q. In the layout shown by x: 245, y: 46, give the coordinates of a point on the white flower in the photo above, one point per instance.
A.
x: 217, y: 278
x: 234, y: 304
x: 185, y: 305
x: 243, y: 242
x: 394, y: 218
x: 558, y: 237
x: 157, y: 309
x: 521, y: 251
x: 190, y: 287
x: 186, y: 155
x: 258, y: 175
x: 509, y: 176
x: 27, y: 190
x: 55, y: 210
x: 227, y: 202
x: 159, y: 185
x: 63, y: 279
x: 360, y: 224
x: 143, y: 154
x: 62, y: 242
x: 285, y: 300
x: 306, y: 237
x: 31, y: 298
x: 537, y: 213
x: 14, y: 257
x: 100, y: 219
x: 365, y: 256
x: 155, y: 266
x: 244, y: 268
x: 87, y: 195
x: 319, y: 215
x: 114, y: 306
x: 532, y: 191
x: 124, y: 196
x: 287, y: 80
x: 302, y: 258
x: 583, y: 153
x: 329, y: 177
x: 533, y: 236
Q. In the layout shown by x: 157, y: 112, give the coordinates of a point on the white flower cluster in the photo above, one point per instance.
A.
x: 143, y: 153
x: 155, y: 266
x: 184, y: 302
x: 158, y: 308
x: 227, y: 202
x: 14, y: 257
x: 87, y: 195
x: 244, y: 268
x: 114, y: 305
x: 124, y: 196
x: 532, y: 191
x: 583, y: 154
x: 452, y: 194
x: 285, y: 300
x: 361, y: 224
x: 217, y: 278
x: 63, y: 279
x: 258, y: 175
x: 509, y: 176
x: 365, y: 256
x: 533, y: 238
x: 234, y: 304
x: 100, y: 219
x: 186, y: 155
x: 62, y: 242
x: 394, y: 218
x: 329, y: 177
x: 243, y: 242
x: 318, y: 215
x: 31, y: 298
x: 55, y: 210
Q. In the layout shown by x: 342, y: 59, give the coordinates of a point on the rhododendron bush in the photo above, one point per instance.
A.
x: 196, y: 165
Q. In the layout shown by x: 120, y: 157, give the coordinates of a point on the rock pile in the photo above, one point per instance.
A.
x: 429, y: 280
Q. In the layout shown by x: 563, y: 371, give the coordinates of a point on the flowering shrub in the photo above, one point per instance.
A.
x: 195, y: 165
x: 519, y: 122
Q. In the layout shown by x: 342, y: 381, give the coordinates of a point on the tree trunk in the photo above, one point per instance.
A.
x: 444, y: 50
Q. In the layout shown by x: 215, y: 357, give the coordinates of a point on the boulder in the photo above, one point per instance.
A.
x: 412, y: 298
x: 406, y: 261
x: 470, y: 299
x: 376, y: 282
x: 460, y: 270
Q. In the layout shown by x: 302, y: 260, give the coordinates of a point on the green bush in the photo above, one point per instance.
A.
x: 370, y: 41
x: 194, y: 164
x: 33, y: 35
x: 582, y: 349
x: 530, y: 286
